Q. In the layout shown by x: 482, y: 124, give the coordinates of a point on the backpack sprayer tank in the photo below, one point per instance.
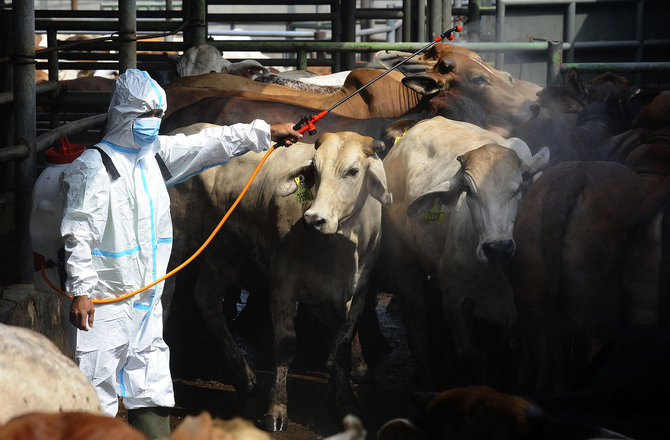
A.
x: 46, y: 214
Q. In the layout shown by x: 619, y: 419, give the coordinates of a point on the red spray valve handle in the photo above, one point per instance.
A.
x: 306, y: 124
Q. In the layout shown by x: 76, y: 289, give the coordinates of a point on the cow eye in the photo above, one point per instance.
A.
x: 352, y: 172
x: 480, y: 80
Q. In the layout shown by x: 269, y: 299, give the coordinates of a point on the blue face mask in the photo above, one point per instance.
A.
x: 145, y: 130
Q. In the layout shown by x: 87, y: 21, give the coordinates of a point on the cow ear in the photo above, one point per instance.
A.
x: 398, y: 429
x: 540, y: 161
x: 288, y: 185
x: 443, y: 194
x: 377, y: 186
x: 413, y: 66
x: 421, y: 84
x: 171, y: 60
x: 575, y: 84
x: 445, y: 65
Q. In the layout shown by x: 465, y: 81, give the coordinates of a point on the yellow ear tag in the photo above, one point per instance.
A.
x: 303, y: 195
x: 434, y: 214
x: 398, y: 137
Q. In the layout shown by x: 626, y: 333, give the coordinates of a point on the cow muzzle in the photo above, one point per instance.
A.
x: 320, y: 222
x: 498, y: 251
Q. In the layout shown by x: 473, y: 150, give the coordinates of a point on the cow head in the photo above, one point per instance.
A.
x: 344, y: 171
x: 449, y: 67
x: 493, y: 178
x: 197, y: 60
x: 246, y: 68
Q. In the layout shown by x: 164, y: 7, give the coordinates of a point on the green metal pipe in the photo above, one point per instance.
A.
x: 332, y: 46
x: 270, y: 18
x: 101, y: 25
x: 617, y: 67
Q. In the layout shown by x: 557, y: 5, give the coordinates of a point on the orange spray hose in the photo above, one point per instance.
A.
x: 191, y: 258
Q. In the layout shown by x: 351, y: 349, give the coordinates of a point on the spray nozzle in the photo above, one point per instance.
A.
x: 448, y: 34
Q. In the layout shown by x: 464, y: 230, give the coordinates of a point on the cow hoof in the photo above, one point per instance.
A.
x: 246, y: 383
x: 274, y: 423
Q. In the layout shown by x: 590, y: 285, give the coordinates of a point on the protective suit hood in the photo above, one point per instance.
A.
x: 135, y: 93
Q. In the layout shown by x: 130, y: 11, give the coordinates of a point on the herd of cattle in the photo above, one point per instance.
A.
x: 521, y: 230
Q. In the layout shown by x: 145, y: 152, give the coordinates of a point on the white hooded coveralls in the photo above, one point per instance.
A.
x: 118, y: 238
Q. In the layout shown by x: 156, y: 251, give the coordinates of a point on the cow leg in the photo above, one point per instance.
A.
x: 282, y: 310
x: 468, y: 361
x: 373, y: 344
x: 209, y: 302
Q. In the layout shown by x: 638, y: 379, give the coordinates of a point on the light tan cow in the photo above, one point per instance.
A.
x: 456, y: 190
x: 36, y: 376
x: 317, y: 252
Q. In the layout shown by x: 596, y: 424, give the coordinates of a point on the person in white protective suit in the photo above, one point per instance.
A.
x: 117, y: 232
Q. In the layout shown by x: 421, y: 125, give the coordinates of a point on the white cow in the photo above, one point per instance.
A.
x: 205, y: 58
x: 317, y: 252
x: 36, y: 377
x: 456, y: 188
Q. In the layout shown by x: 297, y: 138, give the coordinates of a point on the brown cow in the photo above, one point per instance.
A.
x: 482, y: 413
x: 83, y: 426
x: 572, y: 233
x: 385, y: 98
x: 504, y: 99
x: 226, y: 110
x: 447, y: 66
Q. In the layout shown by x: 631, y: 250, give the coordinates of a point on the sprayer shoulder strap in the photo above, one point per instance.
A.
x: 114, y: 173
x: 109, y: 165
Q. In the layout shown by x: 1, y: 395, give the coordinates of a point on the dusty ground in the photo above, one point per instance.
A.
x: 384, y: 395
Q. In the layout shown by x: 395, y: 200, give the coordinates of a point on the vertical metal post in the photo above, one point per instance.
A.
x: 435, y: 7
x: 23, y: 25
x: 639, y: 36
x: 7, y: 122
x: 336, y: 33
x: 302, y: 60
x: 407, y: 20
x: 127, y: 35
x: 52, y: 59
x: 348, y: 31
x: 421, y: 20
x: 169, y: 7
x: 570, y: 32
x: 366, y: 24
x: 554, y: 61
x: 446, y: 15
x: 474, y: 23
x: 500, y: 30
x: 198, y: 17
